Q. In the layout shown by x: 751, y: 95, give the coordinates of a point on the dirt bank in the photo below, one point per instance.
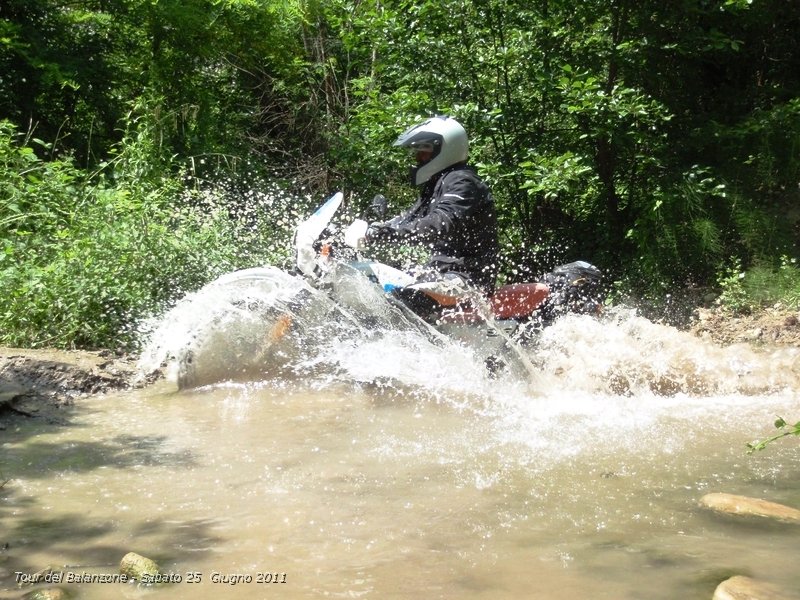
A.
x: 769, y: 327
x: 40, y: 383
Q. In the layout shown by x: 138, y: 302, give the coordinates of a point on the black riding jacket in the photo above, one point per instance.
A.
x: 455, y: 216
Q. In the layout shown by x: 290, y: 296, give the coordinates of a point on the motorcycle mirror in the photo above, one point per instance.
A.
x: 379, y: 206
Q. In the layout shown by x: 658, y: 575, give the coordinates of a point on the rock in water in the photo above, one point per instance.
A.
x: 742, y: 505
x: 138, y: 567
x: 744, y: 588
x: 47, y: 594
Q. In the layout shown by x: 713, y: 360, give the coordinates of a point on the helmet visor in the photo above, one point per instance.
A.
x: 422, y: 152
x: 428, y: 146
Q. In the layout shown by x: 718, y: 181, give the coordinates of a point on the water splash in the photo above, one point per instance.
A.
x: 623, y: 384
x: 264, y: 323
x: 625, y: 354
x: 245, y: 325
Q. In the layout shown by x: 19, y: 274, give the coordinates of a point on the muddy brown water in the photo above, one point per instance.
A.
x: 410, y: 473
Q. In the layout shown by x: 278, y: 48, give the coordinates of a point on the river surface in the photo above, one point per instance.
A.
x: 393, y: 467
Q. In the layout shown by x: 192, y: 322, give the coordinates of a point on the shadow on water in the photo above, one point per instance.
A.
x: 80, y: 540
x: 44, y: 459
x: 82, y: 543
x: 30, y: 416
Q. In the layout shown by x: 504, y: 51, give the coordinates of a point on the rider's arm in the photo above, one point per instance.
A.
x: 458, y: 196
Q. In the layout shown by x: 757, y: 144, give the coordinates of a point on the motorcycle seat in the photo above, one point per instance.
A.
x: 518, y: 300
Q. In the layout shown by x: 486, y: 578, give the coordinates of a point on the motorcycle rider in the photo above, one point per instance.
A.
x: 454, y: 215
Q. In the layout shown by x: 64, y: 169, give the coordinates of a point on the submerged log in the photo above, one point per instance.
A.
x: 138, y: 567
x: 743, y: 505
x: 744, y: 588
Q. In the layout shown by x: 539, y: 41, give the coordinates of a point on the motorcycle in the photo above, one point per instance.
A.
x: 265, y: 321
x: 510, y: 317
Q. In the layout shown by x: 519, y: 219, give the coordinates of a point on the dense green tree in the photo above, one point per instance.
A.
x: 208, y: 73
x: 603, y: 127
x: 659, y: 140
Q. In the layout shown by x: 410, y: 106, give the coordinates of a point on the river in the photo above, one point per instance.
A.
x: 395, y: 467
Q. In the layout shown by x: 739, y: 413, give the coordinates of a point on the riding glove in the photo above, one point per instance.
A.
x: 380, y: 232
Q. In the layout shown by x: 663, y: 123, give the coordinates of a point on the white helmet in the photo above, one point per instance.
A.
x: 443, y: 136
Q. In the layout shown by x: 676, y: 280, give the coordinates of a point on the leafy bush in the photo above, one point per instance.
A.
x: 761, y: 285
x: 84, y: 259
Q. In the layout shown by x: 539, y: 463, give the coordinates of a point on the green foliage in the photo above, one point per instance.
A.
x: 555, y: 178
x: 761, y: 285
x: 72, y: 70
x: 677, y: 234
x: 734, y: 295
x: 654, y: 139
x: 567, y: 124
x: 84, y: 260
x: 786, y: 430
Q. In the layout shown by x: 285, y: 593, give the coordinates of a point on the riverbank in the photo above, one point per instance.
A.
x: 41, y: 383
x: 774, y: 326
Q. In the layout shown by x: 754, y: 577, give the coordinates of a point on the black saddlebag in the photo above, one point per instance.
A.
x: 576, y: 287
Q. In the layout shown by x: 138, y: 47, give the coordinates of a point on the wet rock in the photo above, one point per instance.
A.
x: 743, y: 505
x: 754, y: 335
x: 9, y: 395
x: 47, y: 594
x: 744, y: 588
x: 138, y: 567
